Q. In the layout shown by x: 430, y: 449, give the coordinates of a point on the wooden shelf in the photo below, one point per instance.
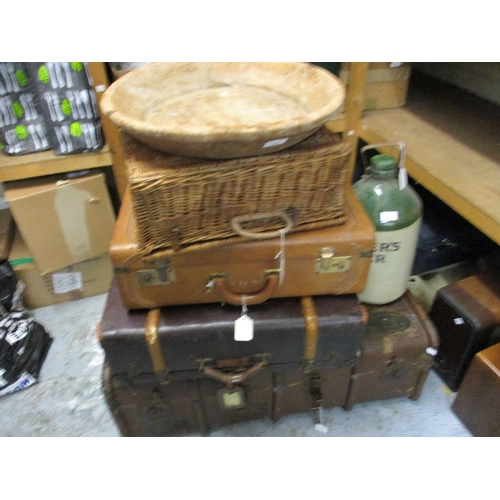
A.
x: 452, y: 147
x: 47, y: 163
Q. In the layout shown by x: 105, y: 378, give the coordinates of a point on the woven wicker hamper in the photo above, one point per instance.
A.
x: 184, y: 202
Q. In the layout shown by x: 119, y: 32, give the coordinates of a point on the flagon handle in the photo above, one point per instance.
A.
x: 237, y: 221
x: 232, y: 378
x: 237, y: 299
x: 400, y: 145
x: 402, y: 175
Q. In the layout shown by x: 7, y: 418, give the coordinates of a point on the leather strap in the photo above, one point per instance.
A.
x: 153, y: 341
x: 311, y: 321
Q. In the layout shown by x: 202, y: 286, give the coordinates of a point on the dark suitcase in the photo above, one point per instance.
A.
x: 465, y: 314
x: 181, y: 367
x: 319, y: 332
x: 477, y: 403
x: 333, y: 260
x: 396, y: 353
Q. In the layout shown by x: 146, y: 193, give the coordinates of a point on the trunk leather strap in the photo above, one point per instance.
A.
x: 311, y: 321
x: 153, y: 341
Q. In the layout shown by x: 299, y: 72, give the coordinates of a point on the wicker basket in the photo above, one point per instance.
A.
x: 182, y: 202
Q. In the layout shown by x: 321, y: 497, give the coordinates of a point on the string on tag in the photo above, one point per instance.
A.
x: 402, y: 178
x: 244, y: 309
x: 320, y: 426
x: 281, y: 255
x: 403, y: 174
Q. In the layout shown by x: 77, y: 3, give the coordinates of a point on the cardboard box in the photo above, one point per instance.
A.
x: 63, y: 219
x: 85, y: 279
x: 7, y: 228
x: 386, y: 84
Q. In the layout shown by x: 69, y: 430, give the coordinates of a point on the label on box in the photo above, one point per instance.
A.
x: 67, y: 282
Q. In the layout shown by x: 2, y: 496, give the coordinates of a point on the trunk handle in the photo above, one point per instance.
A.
x: 231, y: 379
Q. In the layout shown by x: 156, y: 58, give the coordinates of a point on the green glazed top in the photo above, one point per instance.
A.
x: 383, y: 166
x: 379, y: 192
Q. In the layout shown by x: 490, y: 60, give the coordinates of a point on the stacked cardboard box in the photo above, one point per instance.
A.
x: 63, y: 228
x: 7, y: 229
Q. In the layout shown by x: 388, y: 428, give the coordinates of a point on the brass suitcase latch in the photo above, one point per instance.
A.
x: 328, y: 263
x: 162, y: 274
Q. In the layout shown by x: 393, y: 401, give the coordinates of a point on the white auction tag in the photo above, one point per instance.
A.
x: 243, y: 328
x: 276, y: 142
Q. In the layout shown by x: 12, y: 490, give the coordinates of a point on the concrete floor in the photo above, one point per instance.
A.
x: 68, y: 401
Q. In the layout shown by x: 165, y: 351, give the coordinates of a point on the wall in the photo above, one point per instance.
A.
x: 480, y: 78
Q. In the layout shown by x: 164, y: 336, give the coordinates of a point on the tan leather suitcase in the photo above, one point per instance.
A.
x: 332, y: 260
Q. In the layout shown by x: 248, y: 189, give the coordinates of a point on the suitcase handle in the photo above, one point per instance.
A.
x: 230, y: 379
x: 239, y: 219
x: 236, y: 299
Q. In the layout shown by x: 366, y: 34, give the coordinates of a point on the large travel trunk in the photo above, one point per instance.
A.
x: 148, y: 408
x: 397, y: 349
x: 332, y: 260
x: 179, y: 369
x: 465, y: 314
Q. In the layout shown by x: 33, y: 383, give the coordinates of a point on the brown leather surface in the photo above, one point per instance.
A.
x: 149, y: 409
x: 477, y: 403
x: 393, y: 361
x: 188, y: 335
x: 245, y: 264
x: 485, y: 289
x: 153, y: 340
x: 491, y: 357
x: 311, y: 324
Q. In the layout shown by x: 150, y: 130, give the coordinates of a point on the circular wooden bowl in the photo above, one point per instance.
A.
x: 223, y: 110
